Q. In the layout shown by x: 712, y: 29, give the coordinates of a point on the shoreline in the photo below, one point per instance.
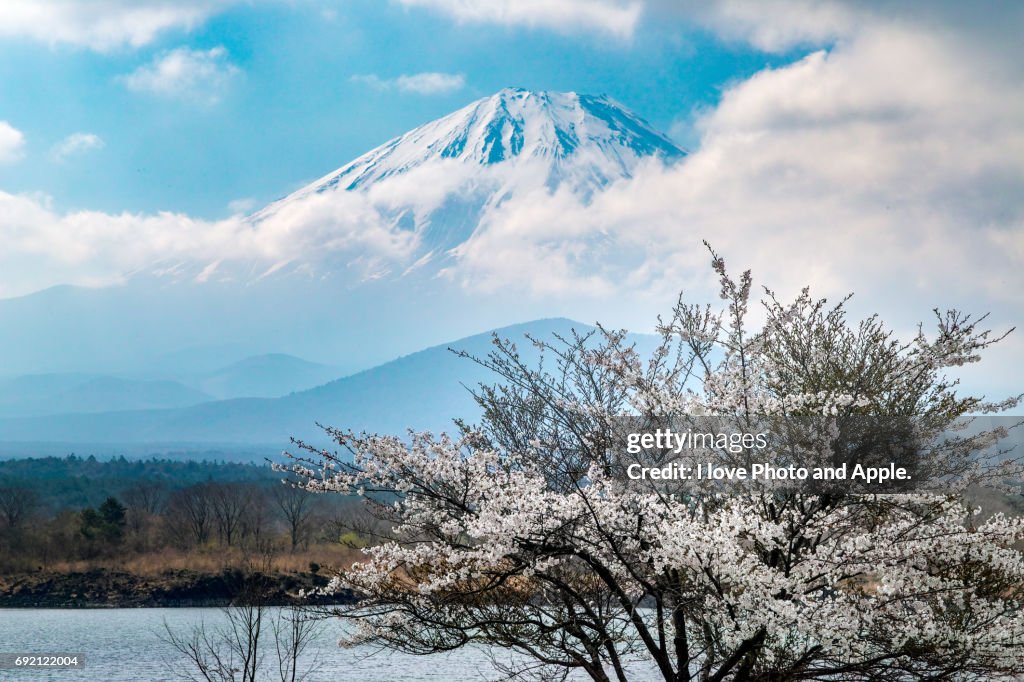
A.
x: 179, y: 588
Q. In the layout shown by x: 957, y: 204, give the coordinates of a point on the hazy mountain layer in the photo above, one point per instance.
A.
x: 424, y: 390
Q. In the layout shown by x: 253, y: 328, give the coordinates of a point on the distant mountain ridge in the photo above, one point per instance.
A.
x: 424, y: 391
x: 44, y: 394
x: 264, y: 376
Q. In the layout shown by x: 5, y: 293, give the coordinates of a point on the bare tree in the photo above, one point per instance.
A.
x: 146, y: 496
x: 235, y: 650
x: 296, y: 506
x: 229, y: 502
x: 294, y: 630
x: 16, y: 505
x: 189, y: 515
x: 213, y: 654
x: 145, y: 501
x: 257, y: 519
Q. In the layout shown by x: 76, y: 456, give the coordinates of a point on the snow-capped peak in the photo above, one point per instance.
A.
x: 425, y: 193
x: 590, y: 140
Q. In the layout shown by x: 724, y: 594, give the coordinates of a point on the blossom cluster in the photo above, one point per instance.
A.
x: 499, y: 534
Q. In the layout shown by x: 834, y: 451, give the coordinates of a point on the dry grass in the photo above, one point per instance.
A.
x: 215, y: 560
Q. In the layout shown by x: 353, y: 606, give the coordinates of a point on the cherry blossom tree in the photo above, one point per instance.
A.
x: 519, y: 533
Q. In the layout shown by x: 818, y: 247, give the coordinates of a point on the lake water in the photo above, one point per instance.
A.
x: 129, y: 644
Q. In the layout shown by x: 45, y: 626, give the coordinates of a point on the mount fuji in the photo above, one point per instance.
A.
x: 432, y: 188
x: 340, y: 270
x: 585, y: 140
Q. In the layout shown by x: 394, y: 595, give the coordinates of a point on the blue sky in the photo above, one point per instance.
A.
x: 282, y: 100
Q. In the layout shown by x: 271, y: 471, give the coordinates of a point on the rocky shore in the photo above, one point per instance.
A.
x: 101, y: 588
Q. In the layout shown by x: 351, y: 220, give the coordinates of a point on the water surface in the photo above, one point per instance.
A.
x: 130, y: 644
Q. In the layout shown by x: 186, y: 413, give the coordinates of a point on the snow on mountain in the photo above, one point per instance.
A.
x: 586, y: 140
x: 431, y: 187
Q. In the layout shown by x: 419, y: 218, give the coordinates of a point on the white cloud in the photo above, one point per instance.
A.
x: 772, y: 25
x: 44, y: 247
x: 198, y: 75
x: 76, y: 143
x: 891, y: 165
x: 12, y: 141
x: 614, y: 17
x: 102, y: 24
x: 782, y: 25
x: 426, y: 83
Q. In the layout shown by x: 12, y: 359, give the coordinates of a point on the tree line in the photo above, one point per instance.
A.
x: 136, y: 508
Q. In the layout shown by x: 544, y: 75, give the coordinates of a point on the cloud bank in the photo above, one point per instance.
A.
x: 887, y: 159
x: 45, y: 247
